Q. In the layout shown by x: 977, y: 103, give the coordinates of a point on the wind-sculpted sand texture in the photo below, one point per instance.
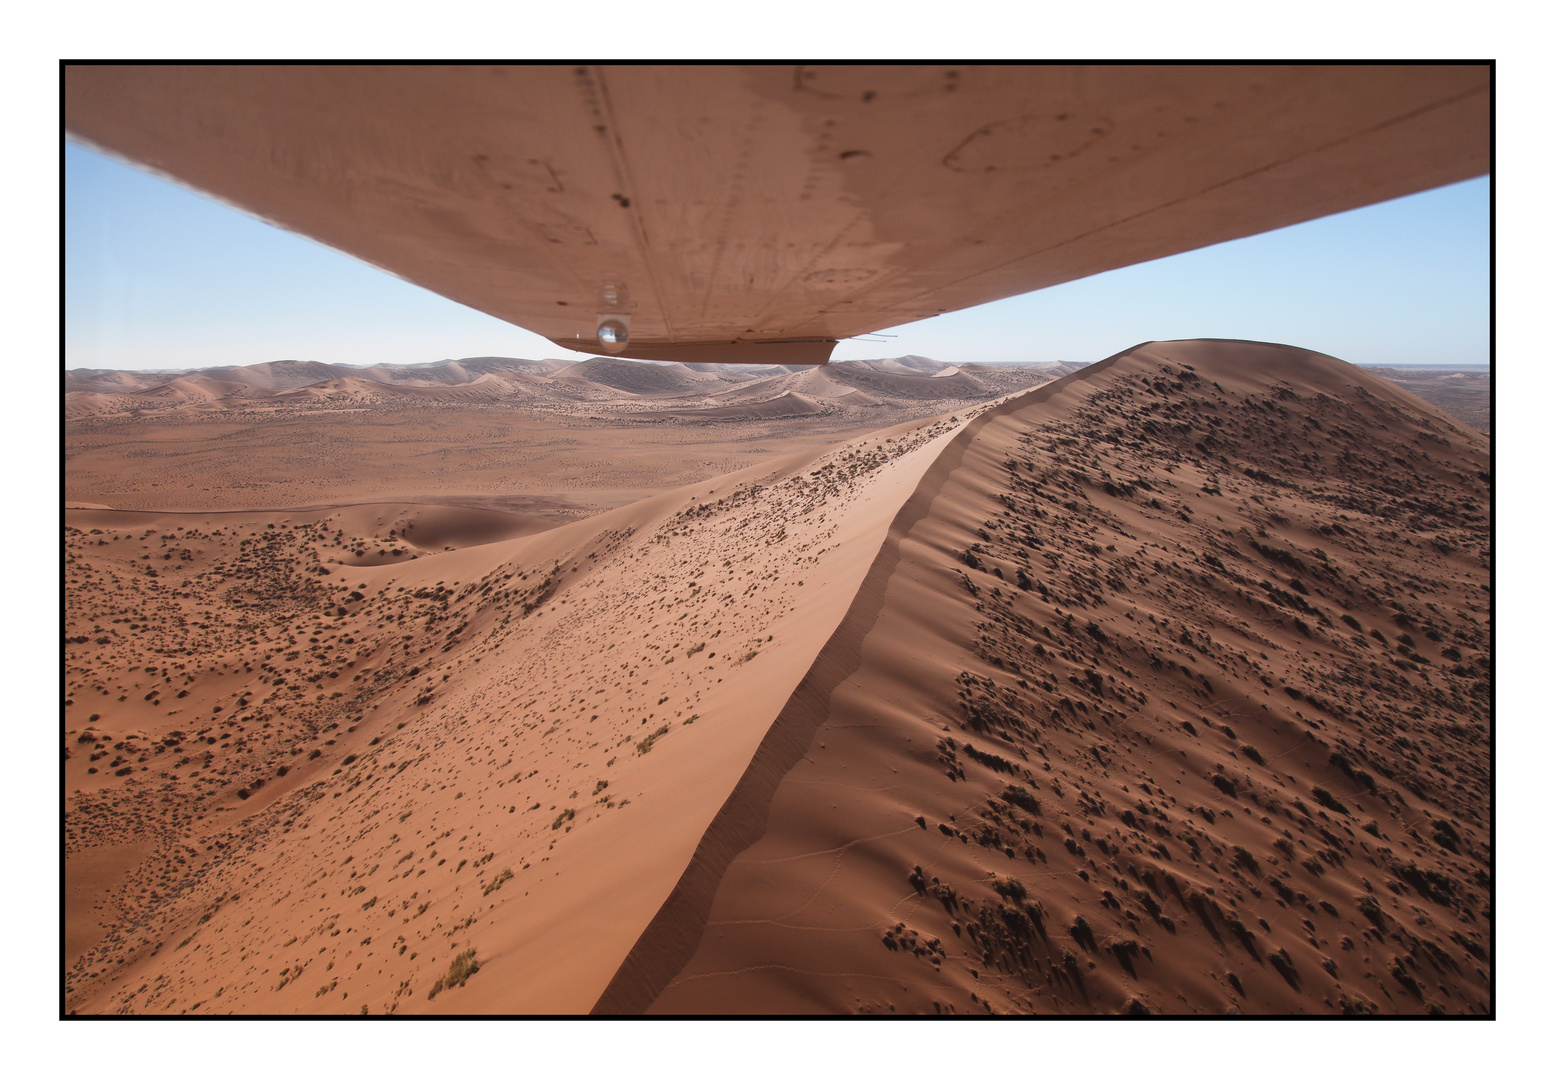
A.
x: 290, y: 734
x: 1162, y: 686
x: 1167, y: 691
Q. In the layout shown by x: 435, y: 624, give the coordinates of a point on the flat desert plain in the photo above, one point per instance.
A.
x: 516, y: 687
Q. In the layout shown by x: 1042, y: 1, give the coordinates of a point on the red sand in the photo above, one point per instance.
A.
x: 1055, y: 711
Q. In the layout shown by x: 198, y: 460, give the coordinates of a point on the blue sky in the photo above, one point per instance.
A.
x: 159, y: 277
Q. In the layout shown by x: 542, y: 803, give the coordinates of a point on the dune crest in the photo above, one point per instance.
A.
x: 1167, y: 692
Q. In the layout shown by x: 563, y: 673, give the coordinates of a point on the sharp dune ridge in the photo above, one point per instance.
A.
x: 1087, y: 742
x: 1160, y: 687
x: 519, y: 696
x: 670, y: 939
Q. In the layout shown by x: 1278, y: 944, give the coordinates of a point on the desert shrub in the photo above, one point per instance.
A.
x: 1360, y: 776
x: 1404, y: 976
x: 1018, y: 795
x: 1326, y: 798
x: 1010, y: 888
x: 459, y: 971
x: 647, y: 744
x: 1372, y: 910
x: 1432, y: 884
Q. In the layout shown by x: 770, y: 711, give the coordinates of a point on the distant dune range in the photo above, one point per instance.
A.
x: 554, y: 438
x: 602, y: 380
x: 1162, y: 686
x: 1462, y: 394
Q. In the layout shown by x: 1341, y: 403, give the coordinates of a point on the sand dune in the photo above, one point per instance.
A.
x: 1163, y: 686
x: 818, y: 384
x: 635, y: 377
x: 1087, y: 741
x: 881, y: 383
x: 97, y: 380
x: 785, y: 404
x: 510, y: 435
x: 84, y: 403
x: 914, y: 364
x: 534, y: 383
x: 281, y: 374
x: 641, y: 646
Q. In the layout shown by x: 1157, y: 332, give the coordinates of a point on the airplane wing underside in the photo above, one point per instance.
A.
x: 758, y: 214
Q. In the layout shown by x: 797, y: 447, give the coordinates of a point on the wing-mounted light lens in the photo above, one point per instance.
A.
x: 613, y: 333
x: 614, y: 322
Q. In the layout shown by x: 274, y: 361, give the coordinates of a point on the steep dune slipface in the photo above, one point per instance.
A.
x: 1168, y: 691
x: 345, y: 776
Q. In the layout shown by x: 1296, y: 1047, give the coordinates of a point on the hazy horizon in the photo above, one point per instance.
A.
x: 583, y: 359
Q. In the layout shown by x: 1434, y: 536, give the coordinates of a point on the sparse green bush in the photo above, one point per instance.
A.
x: 1372, y: 910
x: 647, y: 744
x: 459, y: 971
x: 1018, y: 795
x: 1326, y: 798
x: 1404, y: 976
x: 1011, y: 888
